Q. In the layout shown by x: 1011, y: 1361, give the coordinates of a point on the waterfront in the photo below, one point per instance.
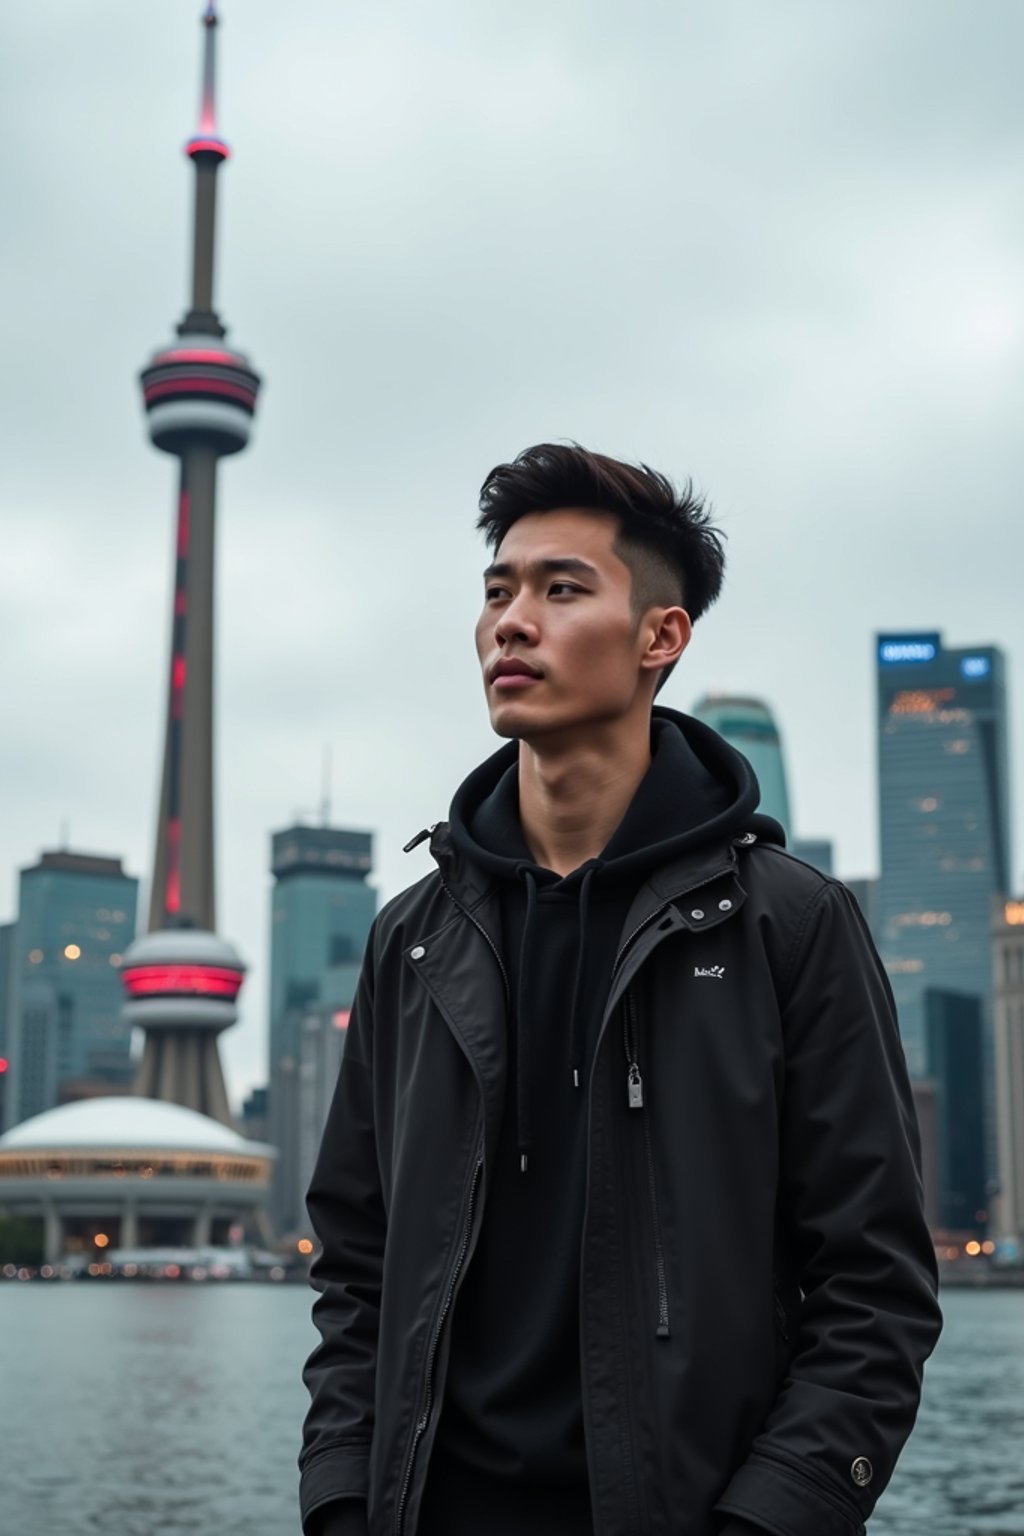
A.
x: 134, y: 1409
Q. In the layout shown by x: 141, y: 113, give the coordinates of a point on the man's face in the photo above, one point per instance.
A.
x: 558, y: 642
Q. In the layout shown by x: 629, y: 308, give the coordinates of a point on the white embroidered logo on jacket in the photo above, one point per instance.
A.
x: 717, y: 971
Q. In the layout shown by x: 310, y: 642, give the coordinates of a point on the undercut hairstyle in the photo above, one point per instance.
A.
x: 674, y: 554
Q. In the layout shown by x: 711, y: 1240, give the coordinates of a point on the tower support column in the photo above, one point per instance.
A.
x: 53, y: 1234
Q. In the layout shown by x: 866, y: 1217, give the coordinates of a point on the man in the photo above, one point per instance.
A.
x: 618, y: 1196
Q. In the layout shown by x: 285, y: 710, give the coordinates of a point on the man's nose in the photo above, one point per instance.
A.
x: 517, y: 621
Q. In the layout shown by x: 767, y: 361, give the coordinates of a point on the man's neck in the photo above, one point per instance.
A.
x: 573, y: 795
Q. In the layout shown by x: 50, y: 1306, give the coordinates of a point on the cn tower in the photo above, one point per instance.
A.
x: 182, y: 981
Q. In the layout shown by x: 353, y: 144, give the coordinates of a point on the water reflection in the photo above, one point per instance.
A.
x: 134, y: 1410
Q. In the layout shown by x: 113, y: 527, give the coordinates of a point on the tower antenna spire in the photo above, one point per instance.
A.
x: 208, y: 101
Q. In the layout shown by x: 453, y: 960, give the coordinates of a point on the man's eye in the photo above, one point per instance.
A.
x: 490, y: 593
x: 557, y: 588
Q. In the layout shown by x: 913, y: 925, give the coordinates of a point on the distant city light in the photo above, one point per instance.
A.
x: 35, y: 956
x: 341, y: 1018
x: 72, y: 952
x: 304, y: 1245
x: 3, y: 1064
x: 973, y: 1248
x: 975, y: 666
x: 1013, y: 911
x: 101, y: 1240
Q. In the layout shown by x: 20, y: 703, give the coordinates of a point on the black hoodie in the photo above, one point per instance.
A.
x: 509, y: 1454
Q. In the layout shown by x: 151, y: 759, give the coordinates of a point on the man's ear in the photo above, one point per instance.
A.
x: 668, y: 634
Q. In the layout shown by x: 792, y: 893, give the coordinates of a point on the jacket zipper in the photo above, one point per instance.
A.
x: 635, y: 1096
x: 449, y: 1295
x: 482, y: 931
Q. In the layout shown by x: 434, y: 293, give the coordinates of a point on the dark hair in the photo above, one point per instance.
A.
x: 665, y: 537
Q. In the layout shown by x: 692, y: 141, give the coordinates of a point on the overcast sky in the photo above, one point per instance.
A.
x: 779, y: 248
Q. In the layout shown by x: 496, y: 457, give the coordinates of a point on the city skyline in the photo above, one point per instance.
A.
x: 830, y: 342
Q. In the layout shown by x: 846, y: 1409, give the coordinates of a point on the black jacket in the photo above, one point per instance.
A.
x: 758, y: 1284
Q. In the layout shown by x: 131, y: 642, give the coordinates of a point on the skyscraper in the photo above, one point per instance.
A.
x: 749, y: 726
x: 199, y: 398
x: 953, y: 1064
x: 66, y: 1038
x: 944, y: 829
x: 322, y: 909
x: 1008, y: 968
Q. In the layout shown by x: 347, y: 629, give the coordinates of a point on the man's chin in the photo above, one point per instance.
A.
x: 524, y: 724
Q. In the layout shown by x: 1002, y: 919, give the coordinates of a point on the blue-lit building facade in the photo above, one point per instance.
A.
x: 322, y: 909
x: 749, y: 726
x: 65, y: 1035
x: 944, y: 821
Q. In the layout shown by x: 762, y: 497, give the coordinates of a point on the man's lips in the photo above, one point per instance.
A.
x: 511, y: 673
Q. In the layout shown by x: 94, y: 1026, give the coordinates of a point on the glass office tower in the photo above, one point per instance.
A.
x: 749, y: 726
x: 322, y: 909
x: 66, y: 1037
x: 944, y: 822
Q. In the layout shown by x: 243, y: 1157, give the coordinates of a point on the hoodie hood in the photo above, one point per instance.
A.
x: 698, y: 790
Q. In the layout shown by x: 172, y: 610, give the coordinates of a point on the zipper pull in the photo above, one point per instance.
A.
x: 420, y: 837
x: 635, y: 1087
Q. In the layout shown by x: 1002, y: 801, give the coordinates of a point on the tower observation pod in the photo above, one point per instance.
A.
x: 200, y: 398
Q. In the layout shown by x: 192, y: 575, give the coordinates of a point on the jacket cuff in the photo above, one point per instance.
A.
x: 763, y: 1493
x: 336, y: 1476
x: 344, y: 1517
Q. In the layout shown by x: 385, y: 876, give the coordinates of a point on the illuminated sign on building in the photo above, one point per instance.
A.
x: 975, y: 666
x: 920, y: 701
x: 897, y: 650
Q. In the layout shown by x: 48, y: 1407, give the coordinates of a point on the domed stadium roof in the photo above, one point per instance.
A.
x: 124, y: 1123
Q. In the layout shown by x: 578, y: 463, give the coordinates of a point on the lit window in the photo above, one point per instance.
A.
x: 72, y: 952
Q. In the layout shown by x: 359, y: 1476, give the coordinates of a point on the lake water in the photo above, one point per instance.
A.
x: 175, y: 1410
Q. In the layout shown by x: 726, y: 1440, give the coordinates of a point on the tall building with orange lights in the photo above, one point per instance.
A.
x: 1008, y: 1023
x: 200, y: 396
x: 944, y: 821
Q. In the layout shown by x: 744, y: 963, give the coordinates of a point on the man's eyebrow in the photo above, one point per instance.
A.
x: 551, y: 567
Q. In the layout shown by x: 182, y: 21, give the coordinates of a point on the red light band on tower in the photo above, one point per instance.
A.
x: 224, y: 359
x: 199, y: 386
x: 177, y: 687
x: 205, y: 980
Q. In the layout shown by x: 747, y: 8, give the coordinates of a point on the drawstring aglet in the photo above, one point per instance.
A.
x: 575, y: 1077
x: 522, y: 1162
